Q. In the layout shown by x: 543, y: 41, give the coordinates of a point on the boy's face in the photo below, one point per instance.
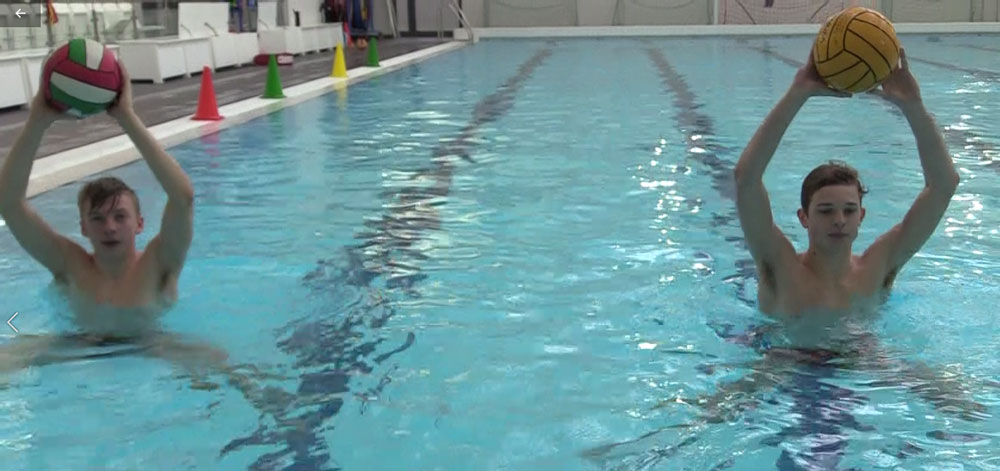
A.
x: 112, y: 227
x: 835, y: 213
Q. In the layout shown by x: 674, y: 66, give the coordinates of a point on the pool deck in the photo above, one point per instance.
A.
x: 176, y: 101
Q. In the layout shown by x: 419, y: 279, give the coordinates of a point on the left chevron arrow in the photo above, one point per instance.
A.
x: 11, y: 320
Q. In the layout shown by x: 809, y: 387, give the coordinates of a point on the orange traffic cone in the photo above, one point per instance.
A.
x: 208, y: 110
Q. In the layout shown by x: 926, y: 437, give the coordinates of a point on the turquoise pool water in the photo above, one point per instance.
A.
x: 524, y: 255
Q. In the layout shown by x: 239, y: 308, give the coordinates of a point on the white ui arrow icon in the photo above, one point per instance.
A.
x: 19, y: 13
x: 10, y: 320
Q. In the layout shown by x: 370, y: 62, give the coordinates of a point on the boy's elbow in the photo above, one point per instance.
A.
x: 737, y: 174
x: 949, y: 183
x: 187, y: 192
x: 187, y: 198
x: 741, y: 178
x: 7, y: 203
x: 184, y: 197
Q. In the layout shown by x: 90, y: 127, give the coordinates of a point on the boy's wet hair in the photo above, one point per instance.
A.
x: 834, y: 172
x: 97, y: 193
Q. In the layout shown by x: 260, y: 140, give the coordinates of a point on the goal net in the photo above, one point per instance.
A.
x: 770, y: 12
x: 738, y: 12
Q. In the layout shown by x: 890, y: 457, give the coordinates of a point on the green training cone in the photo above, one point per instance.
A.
x: 373, y: 53
x: 273, y: 87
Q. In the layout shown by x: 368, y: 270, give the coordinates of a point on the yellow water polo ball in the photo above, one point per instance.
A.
x: 856, y: 50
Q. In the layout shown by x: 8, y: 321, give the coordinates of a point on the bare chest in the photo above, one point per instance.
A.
x: 142, y: 287
x: 123, y: 306
x: 798, y: 291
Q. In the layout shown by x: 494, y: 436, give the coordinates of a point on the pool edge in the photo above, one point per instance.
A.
x: 81, y: 162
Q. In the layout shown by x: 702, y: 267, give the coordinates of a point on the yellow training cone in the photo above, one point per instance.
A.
x: 339, y: 66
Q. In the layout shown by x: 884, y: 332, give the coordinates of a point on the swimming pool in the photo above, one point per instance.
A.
x: 518, y: 254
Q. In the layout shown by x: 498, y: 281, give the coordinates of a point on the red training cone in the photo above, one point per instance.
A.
x: 208, y: 110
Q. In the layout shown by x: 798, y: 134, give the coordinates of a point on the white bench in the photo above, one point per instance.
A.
x: 14, y: 92
x: 211, y: 20
x: 158, y: 59
x: 301, y: 39
x: 294, y: 39
x: 203, y: 39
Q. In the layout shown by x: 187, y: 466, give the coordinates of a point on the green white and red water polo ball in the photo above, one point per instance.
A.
x: 81, y: 78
